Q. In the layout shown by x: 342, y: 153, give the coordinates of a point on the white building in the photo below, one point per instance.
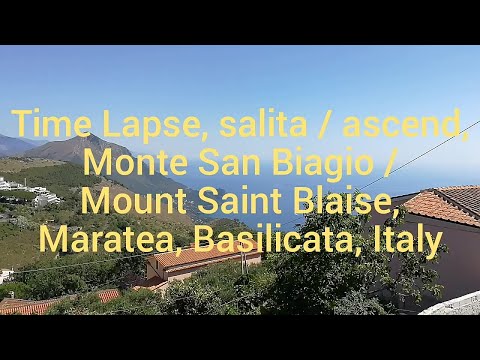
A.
x: 14, y: 185
x: 4, y: 185
x: 40, y: 190
x: 46, y: 199
x: 9, y: 186
x: 5, y: 274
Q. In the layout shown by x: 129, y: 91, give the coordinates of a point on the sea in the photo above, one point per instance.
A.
x: 408, y: 180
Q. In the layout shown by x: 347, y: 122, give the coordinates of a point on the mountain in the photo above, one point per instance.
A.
x: 34, y: 142
x: 72, y: 150
x: 11, y: 146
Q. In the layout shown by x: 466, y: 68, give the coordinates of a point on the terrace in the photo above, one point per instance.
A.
x: 465, y: 305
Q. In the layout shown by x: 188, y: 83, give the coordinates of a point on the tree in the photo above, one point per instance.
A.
x: 217, y: 289
x: 143, y: 302
x: 328, y: 283
x: 191, y: 298
x: 88, y: 304
x: 357, y: 303
x: 20, y: 290
x: 74, y: 274
x: 239, y: 293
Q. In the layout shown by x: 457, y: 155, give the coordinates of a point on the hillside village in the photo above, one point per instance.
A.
x: 67, y: 179
x: 131, y: 177
x: 210, y: 282
x: 43, y: 196
x: 11, y: 191
x: 161, y: 271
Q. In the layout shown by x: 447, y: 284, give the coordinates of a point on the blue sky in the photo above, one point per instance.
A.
x: 214, y: 81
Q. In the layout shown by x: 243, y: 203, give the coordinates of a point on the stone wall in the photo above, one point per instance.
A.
x: 465, y: 305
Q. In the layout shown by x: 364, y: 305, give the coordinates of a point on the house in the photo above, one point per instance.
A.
x: 43, y: 200
x: 29, y: 307
x: 455, y: 211
x: 166, y: 267
x: 5, y: 274
x: 4, y: 185
x: 40, y: 190
x: 14, y: 186
x: 40, y: 201
x: 43, y: 196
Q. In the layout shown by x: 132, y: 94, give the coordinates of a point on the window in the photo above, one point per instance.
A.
x: 156, y: 265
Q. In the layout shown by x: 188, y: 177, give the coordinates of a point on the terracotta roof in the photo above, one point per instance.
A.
x: 467, y: 197
x: 210, y: 261
x: 36, y: 307
x: 108, y: 295
x: 190, y: 256
x: 41, y: 307
x: 436, y: 204
x: 8, y: 303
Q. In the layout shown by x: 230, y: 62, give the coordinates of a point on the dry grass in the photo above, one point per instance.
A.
x: 18, y: 164
x: 19, y: 247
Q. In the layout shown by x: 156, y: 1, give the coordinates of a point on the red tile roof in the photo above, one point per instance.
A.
x: 191, y: 257
x: 468, y: 197
x: 41, y: 307
x: 108, y: 295
x: 36, y: 307
x: 8, y: 303
x: 201, y: 264
x: 450, y: 204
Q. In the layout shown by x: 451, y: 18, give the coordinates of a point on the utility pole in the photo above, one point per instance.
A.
x: 243, y: 266
x: 244, y: 263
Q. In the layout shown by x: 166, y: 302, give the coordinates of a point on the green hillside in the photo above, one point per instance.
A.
x: 59, y: 179
x: 72, y: 150
x: 19, y: 230
x: 19, y: 247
